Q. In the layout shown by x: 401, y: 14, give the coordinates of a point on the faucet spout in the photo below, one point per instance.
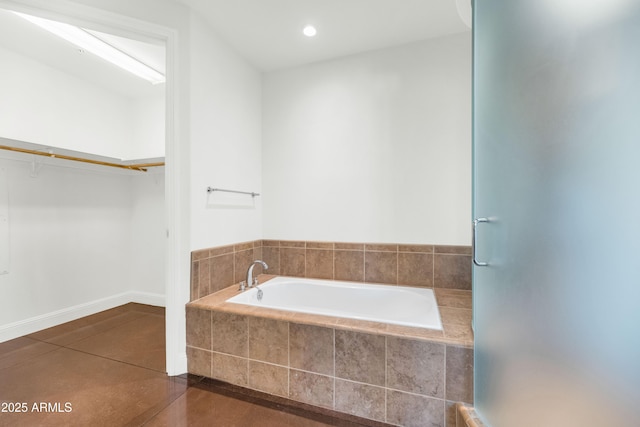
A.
x: 250, y: 279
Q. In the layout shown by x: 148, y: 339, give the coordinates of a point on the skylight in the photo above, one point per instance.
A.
x: 89, y: 43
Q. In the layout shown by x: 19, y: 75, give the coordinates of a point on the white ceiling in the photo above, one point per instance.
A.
x: 269, y: 32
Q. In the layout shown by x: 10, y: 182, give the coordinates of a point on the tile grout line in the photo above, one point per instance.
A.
x: 210, y: 339
x: 397, y: 267
x: 386, y: 376
x: 364, y: 263
x: 444, y: 384
x: 334, y: 368
x: 289, y: 359
x: 433, y: 270
x: 248, y: 353
x: 333, y: 261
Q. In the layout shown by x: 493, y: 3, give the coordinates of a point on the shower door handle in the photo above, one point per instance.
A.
x: 473, y: 242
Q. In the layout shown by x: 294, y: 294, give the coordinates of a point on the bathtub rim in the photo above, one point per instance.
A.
x: 454, y: 307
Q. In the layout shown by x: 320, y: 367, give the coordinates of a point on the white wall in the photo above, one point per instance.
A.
x: 226, y: 142
x: 74, y: 242
x: 371, y: 148
x: 69, y: 240
x: 43, y: 105
x: 148, y: 128
x: 148, y: 233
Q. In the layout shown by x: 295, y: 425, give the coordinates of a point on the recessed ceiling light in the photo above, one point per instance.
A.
x: 309, y: 31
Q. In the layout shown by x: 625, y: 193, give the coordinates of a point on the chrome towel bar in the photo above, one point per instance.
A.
x: 251, y: 193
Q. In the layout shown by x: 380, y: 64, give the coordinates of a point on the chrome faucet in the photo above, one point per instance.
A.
x: 251, y: 281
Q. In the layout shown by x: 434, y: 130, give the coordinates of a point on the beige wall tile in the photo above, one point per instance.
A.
x: 362, y: 400
x: 416, y: 366
x: 349, y: 246
x: 311, y: 388
x: 416, y: 248
x: 349, y: 265
x: 319, y: 263
x: 452, y: 271
x: 411, y: 410
x: 292, y: 244
x: 269, y: 378
x: 230, y: 334
x: 292, y: 262
x: 461, y: 333
x: 451, y: 265
x: 320, y: 245
x: 199, y: 254
x: 198, y: 328
x: 269, y: 340
x: 459, y: 386
x: 311, y: 348
x: 244, y: 246
x: 231, y: 369
x: 198, y: 362
x: 360, y: 357
x: 415, y: 269
x: 221, y: 272
x: 381, y: 267
x: 456, y: 250
x: 454, y: 298
x: 220, y: 250
x: 456, y: 316
x: 241, y: 262
x: 271, y: 255
x: 381, y: 247
x: 257, y: 254
x: 204, y: 278
x: 195, y: 281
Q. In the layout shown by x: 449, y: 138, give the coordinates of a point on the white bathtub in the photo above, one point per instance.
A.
x: 397, y: 305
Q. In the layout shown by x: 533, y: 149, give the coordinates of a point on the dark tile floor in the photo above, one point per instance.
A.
x: 108, y: 370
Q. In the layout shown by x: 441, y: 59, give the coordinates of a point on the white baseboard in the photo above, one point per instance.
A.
x: 148, y: 298
x: 47, y: 320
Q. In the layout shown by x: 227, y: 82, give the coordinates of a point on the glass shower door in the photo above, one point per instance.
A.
x: 557, y: 190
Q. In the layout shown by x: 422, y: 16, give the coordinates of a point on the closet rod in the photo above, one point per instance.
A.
x: 141, y: 167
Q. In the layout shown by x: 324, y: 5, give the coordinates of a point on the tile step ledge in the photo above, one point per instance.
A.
x: 466, y: 416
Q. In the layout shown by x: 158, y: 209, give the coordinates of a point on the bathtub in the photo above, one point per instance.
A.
x: 396, y: 305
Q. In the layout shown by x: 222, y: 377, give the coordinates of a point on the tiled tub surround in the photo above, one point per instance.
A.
x: 432, y: 266
x: 394, y: 374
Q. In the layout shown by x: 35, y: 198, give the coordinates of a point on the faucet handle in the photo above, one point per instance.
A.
x: 255, y: 281
x: 243, y: 285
